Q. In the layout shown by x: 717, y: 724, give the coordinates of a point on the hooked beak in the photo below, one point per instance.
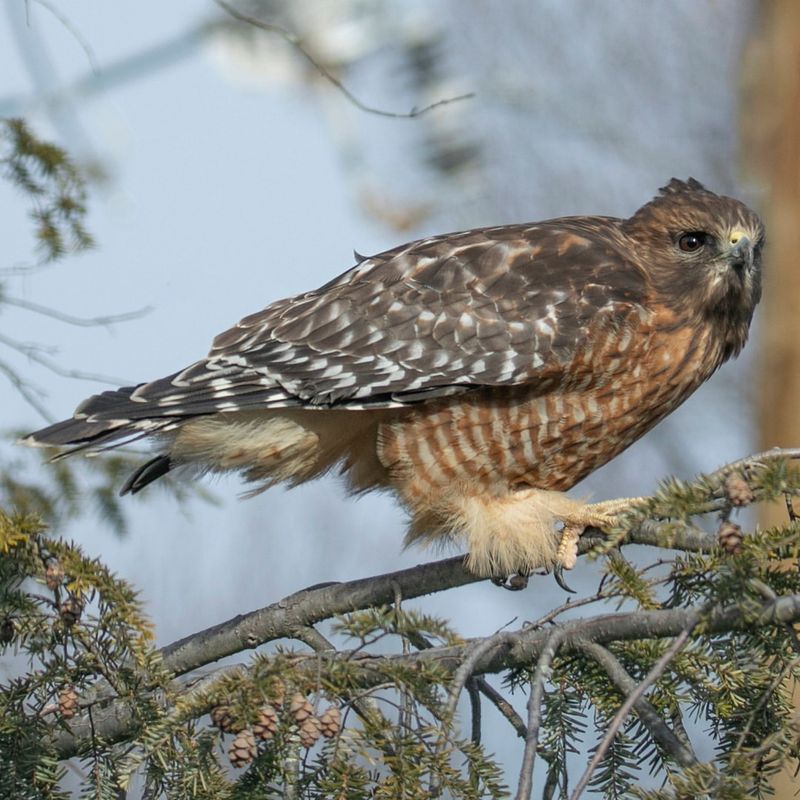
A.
x: 740, y: 252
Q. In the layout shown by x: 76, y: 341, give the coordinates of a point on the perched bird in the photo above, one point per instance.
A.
x: 479, y: 375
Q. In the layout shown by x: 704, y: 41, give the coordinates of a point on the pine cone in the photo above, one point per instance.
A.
x: 243, y: 749
x: 730, y: 537
x: 267, y: 723
x: 53, y: 574
x: 309, y: 731
x: 222, y: 718
x: 68, y: 702
x: 300, y: 708
x: 330, y: 722
x: 71, y: 610
x: 738, y: 490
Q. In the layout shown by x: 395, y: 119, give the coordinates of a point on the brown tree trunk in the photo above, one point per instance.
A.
x: 771, y: 138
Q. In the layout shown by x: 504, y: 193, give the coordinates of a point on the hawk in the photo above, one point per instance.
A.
x: 478, y: 375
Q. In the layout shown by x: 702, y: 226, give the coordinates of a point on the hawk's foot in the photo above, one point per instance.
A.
x: 603, y: 515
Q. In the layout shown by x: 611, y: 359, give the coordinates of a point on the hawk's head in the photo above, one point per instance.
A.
x: 703, y: 253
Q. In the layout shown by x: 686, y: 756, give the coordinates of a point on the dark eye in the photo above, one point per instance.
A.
x: 692, y: 241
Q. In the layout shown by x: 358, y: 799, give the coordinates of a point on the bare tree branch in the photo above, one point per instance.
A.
x: 296, y: 43
x: 503, y: 706
x: 308, y: 607
x: 83, y: 322
x: 34, y: 353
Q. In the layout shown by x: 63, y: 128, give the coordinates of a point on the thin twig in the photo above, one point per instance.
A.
x: 22, y: 268
x: 84, y: 322
x: 568, y: 606
x: 652, y: 676
x: 535, y: 713
x: 82, y: 41
x: 472, y: 656
x: 503, y: 706
x: 295, y: 42
x: 475, y: 709
x: 29, y: 392
x: 33, y: 352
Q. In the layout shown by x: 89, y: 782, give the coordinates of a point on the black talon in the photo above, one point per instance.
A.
x: 512, y: 583
x: 558, y: 574
x: 518, y: 582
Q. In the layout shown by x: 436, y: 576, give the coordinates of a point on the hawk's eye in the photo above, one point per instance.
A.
x: 692, y: 241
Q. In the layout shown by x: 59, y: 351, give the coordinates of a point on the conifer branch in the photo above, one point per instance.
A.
x: 518, y: 649
x: 114, y: 719
x: 656, y: 671
x: 681, y: 751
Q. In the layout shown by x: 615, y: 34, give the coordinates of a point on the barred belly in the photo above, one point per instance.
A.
x: 495, y: 441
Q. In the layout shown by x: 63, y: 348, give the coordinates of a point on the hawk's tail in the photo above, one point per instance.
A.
x: 96, y: 423
x: 99, y: 423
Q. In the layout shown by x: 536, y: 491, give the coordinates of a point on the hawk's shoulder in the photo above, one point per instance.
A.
x: 485, y: 307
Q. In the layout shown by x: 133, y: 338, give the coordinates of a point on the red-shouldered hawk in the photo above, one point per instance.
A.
x: 479, y: 375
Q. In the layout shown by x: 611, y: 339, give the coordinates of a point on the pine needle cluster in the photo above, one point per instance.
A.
x: 53, y: 186
x: 373, y: 711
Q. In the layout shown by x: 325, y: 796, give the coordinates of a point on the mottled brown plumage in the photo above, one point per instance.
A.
x: 479, y: 375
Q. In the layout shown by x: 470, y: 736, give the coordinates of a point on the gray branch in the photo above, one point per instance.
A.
x: 315, y: 604
x: 517, y: 649
x: 309, y: 606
